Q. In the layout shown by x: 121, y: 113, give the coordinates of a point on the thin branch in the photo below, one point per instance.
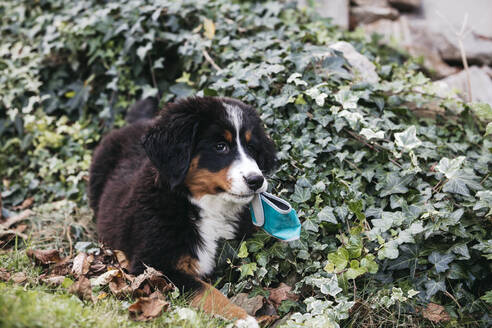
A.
x: 211, y: 61
x: 359, y: 138
x: 154, y: 80
x: 13, y: 220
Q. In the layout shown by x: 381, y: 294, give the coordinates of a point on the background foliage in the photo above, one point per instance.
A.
x: 396, y: 207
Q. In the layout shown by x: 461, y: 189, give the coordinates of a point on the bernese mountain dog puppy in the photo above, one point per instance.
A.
x: 166, y: 189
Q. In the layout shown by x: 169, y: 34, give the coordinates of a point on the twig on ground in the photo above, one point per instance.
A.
x: 13, y: 220
x: 69, y: 237
x: 211, y: 61
x: 452, y: 297
x: 461, y: 35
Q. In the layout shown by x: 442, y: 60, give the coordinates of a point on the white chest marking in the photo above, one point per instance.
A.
x: 218, y: 220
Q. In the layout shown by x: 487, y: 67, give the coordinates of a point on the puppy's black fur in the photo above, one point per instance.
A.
x: 141, y: 186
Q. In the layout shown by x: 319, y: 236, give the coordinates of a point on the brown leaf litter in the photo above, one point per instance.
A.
x: 147, y: 308
x: 44, y: 256
x: 435, y: 313
x: 282, y: 293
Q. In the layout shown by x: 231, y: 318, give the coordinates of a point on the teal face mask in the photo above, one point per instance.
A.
x: 275, y: 216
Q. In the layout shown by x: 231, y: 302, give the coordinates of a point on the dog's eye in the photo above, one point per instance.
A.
x: 222, y: 148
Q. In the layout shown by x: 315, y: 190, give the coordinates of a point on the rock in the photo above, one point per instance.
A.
x: 413, y: 38
x: 337, y: 10
x: 360, y: 63
x: 378, y: 3
x: 445, y: 18
x: 406, y: 5
x: 368, y: 14
x: 481, y: 84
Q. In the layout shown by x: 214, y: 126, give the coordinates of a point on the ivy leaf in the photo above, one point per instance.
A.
x: 370, y: 134
x: 488, y: 129
x: 408, y: 259
x: 326, y: 214
x: 407, y: 139
x: 247, y: 269
x: 394, y: 185
x: 432, y: 287
x: 243, y: 251
x: 330, y: 286
x: 339, y: 259
x: 301, y: 194
x: 483, y: 111
x: 441, y: 261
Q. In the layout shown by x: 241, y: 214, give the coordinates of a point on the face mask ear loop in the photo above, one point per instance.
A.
x: 258, y: 211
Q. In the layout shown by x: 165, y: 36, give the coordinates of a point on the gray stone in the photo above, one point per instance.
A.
x: 481, y: 84
x: 406, y: 5
x: 412, y: 36
x: 361, y: 65
x: 445, y: 18
x: 337, y: 10
x: 368, y: 14
x: 378, y: 3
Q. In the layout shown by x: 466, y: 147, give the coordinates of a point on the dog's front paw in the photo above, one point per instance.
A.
x: 248, y: 322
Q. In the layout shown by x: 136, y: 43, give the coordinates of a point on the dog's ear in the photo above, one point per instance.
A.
x: 169, y: 148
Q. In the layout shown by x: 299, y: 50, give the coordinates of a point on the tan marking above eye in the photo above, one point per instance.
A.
x: 228, y: 136
x: 201, y: 181
x: 247, y: 135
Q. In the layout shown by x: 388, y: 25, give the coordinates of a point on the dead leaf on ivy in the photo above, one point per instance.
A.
x: 147, y: 308
x: 44, y: 256
x: 282, y: 293
x: 435, y: 313
x: 18, y: 277
x: 82, y: 288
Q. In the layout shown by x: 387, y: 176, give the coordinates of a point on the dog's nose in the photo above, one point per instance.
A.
x: 254, y: 181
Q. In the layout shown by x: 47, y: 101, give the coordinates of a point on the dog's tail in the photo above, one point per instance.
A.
x: 142, y: 110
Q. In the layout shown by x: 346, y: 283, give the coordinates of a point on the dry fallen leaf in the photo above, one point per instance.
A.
x: 147, y: 308
x: 62, y: 268
x: 4, y: 274
x: 52, y: 280
x: 18, y: 277
x: 81, y: 264
x: 435, y: 313
x: 122, y: 259
x: 119, y: 287
x: 149, y: 274
x: 250, y: 305
x: 44, y: 256
x: 105, y: 278
x: 282, y: 293
x: 82, y: 288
